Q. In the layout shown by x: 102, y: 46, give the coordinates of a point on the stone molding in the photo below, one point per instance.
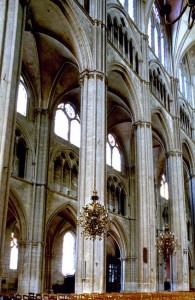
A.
x: 139, y: 124
x: 92, y: 75
x: 174, y: 153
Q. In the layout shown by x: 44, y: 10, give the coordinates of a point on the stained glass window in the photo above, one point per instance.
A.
x: 67, y: 123
x: 113, y: 154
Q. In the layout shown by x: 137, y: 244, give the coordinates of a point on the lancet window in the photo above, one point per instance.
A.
x: 156, y: 34
x: 67, y: 123
x: 164, y: 192
x: 113, y: 153
x: 13, y: 253
x: 69, y: 254
x: 184, y: 80
x: 129, y: 7
x: 22, y: 98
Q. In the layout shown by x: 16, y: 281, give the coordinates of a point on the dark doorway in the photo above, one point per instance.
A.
x: 113, y: 266
x: 113, y: 275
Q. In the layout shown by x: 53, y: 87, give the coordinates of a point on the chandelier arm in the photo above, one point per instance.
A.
x: 182, y: 12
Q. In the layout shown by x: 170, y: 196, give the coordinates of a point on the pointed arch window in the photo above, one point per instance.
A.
x: 22, y: 98
x: 67, y: 123
x: 129, y: 7
x: 164, y: 192
x: 156, y: 34
x: 113, y: 153
x: 13, y: 264
x: 69, y: 254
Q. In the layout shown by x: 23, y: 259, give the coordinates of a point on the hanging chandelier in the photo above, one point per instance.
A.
x: 94, y: 219
x: 167, y: 243
x: 191, y: 17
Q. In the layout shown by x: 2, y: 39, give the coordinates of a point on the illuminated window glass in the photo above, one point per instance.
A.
x: 68, y: 254
x: 14, y: 253
x: 156, y: 41
x: 164, y: 188
x: 67, y: 123
x: 131, y: 9
x: 150, y: 32
x: 122, y: 2
x: 113, y: 154
x: 22, y: 98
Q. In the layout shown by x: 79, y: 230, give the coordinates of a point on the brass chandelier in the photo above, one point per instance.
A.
x: 167, y: 243
x: 191, y: 17
x: 94, y: 219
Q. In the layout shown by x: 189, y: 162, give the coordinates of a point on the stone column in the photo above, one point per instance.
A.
x: 90, y: 276
x: 180, y: 270
x: 12, y: 15
x: 23, y: 266
x: 146, y: 208
x: 91, y: 264
x: 37, y: 230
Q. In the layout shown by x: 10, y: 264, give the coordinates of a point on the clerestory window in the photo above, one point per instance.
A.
x: 156, y: 34
x: 113, y: 153
x: 164, y: 192
x: 67, y: 123
x: 129, y: 7
x: 22, y: 98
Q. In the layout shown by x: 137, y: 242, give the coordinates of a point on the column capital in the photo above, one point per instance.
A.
x: 93, y: 74
x: 176, y: 80
x: 99, y: 23
x: 140, y: 123
x: 41, y: 110
x: 174, y: 153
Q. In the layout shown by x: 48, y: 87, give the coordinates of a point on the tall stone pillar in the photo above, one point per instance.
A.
x: 146, y: 208
x: 24, y: 266
x: 179, y: 266
x: 12, y: 15
x: 37, y: 231
x: 90, y: 275
x: 91, y: 265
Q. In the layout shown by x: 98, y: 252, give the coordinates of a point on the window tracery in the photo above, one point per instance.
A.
x: 164, y: 192
x: 129, y: 7
x: 156, y: 33
x: 113, y: 153
x: 184, y: 80
x: 67, y: 123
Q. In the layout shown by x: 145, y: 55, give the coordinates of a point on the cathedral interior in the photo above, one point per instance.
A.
x: 97, y: 95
